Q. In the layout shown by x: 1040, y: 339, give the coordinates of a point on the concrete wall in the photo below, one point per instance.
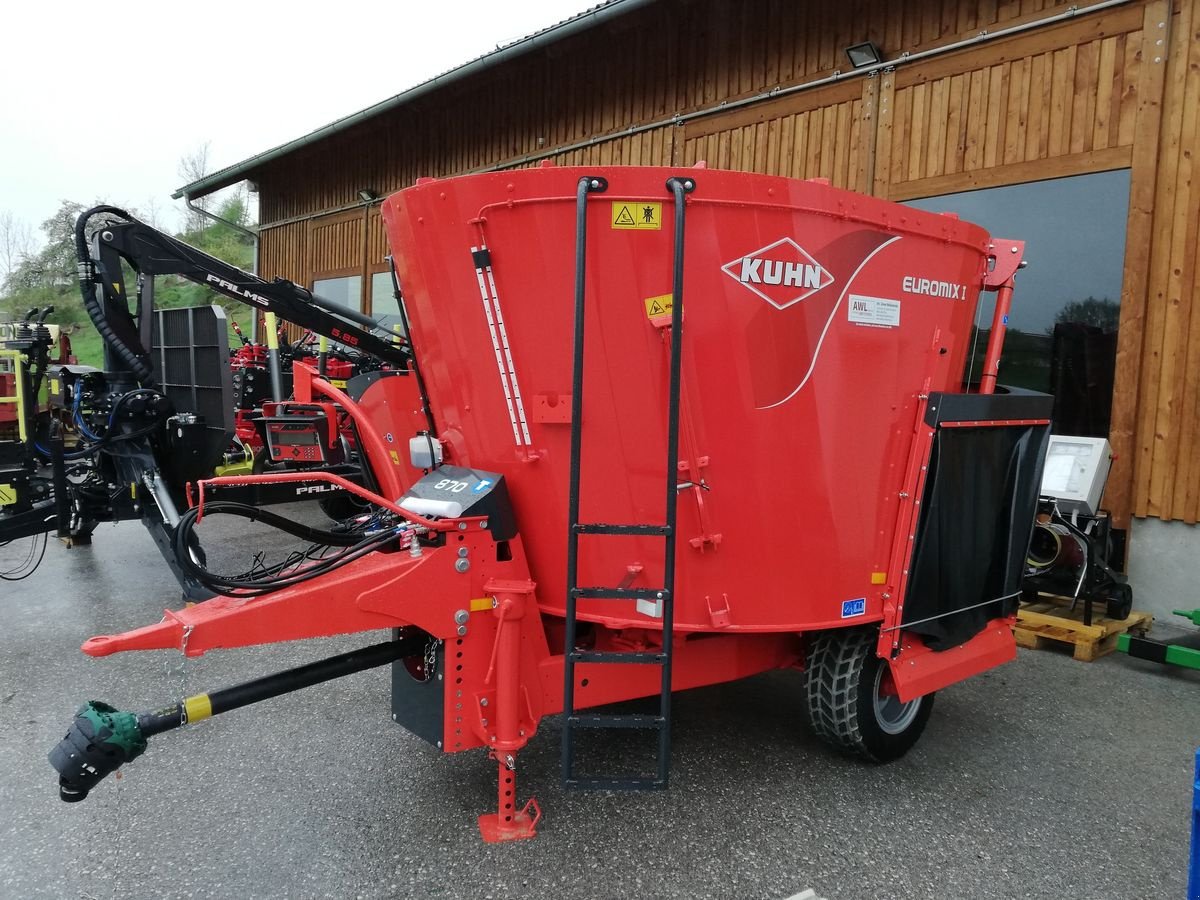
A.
x: 1164, y: 568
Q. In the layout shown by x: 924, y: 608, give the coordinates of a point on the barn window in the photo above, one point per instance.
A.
x: 383, y: 301
x: 1062, y: 332
x: 346, y: 290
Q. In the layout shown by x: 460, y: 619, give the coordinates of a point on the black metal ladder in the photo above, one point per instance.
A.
x: 663, y: 596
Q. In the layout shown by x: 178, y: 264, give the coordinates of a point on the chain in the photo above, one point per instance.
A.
x: 178, y: 673
x: 429, y: 664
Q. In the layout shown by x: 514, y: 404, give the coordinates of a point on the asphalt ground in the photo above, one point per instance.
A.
x: 1045, y: 778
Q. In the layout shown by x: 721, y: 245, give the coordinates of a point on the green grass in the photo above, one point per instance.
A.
x: 87, y: 346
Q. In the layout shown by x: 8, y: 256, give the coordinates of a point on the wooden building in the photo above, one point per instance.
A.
x: 972, y: 95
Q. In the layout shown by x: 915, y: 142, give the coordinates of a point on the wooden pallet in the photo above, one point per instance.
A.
x: 1050, y: 622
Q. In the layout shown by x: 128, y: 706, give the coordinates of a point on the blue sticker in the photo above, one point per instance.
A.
x: 482, y: 486
x: 852, y: 608
x: 1005, y: 320
x: 388, y: 437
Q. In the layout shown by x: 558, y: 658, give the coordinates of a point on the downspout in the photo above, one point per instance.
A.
x: 251, y: 233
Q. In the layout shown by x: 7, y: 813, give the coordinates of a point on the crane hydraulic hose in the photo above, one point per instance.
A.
x: 88, y: 282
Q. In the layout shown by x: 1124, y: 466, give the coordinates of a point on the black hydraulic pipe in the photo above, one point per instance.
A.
x: 58, y: 469
x: 101, y: 738
x: 426, y: 406
x: 338, y: 309
x: 322, y: 356
x: 89, y: 286
x: 274, y: 366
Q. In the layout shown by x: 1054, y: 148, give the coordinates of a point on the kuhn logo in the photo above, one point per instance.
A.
x: 781, y: 273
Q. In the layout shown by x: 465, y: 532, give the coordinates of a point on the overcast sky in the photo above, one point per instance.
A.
x: 101, y: 101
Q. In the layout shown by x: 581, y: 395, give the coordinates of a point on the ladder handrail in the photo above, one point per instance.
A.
x: 679, y: 188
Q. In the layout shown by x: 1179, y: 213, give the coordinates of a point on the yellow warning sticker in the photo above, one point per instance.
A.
x: 395, y: 457
x: 8, y: 495
x: 339, y: 383
x: 658, y: 306
x: 479, y: 604
x: 637, y: 216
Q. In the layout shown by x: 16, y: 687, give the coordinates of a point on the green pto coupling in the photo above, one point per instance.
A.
x: 100, y: 740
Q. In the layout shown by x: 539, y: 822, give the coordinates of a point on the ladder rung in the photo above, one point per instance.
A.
x: 651, y: 783
x: 617, y: 656
x: 611, y: 720
x: 619, y: 593
x: 601, y: 528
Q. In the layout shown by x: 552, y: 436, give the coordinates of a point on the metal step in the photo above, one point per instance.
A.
x: 620, y: 593
x: 618, y: 656
x: 616, y: 784
x: 614, y: 720
x: 601, y: 528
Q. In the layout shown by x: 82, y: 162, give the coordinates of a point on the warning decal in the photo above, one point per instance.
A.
x: 658, y: 306
x: 8, y: 496
x: 637, y: 216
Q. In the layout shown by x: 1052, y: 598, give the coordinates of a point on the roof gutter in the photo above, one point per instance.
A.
x: 234, y: 225
x: 582, y: 22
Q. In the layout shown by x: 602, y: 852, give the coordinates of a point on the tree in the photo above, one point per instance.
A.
x: 16, y: 243
x: 1103, y: 314
x: 48, y: 277
x: 192, y: 167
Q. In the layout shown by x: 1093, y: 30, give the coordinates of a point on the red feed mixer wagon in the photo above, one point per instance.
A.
x: 690, y: 426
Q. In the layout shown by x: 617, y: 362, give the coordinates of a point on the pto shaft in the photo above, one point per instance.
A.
x: 103, y: 738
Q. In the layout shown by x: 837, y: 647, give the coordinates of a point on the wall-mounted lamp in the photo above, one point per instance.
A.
x: 366, y: 195
x: 864, y: 54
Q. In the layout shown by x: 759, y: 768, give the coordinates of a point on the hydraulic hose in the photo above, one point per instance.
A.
x: 87, y: 289
x: 353, y: 546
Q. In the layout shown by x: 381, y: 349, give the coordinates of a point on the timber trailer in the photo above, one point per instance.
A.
x: 688, y: 426
x: 125, y: 442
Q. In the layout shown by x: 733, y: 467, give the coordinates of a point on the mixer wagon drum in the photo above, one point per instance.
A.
x: 833, y: 476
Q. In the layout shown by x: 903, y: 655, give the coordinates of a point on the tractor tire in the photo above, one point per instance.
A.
x: 1120, y: 601
x: 846, y: 708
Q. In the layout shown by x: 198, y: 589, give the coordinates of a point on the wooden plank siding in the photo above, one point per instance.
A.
x: 1116, y: 88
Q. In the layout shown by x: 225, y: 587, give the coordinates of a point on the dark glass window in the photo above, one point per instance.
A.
x: 1062, y: 330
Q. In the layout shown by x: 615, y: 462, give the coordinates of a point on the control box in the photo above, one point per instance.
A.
x: 298, y: 433
x: 1076, y: 472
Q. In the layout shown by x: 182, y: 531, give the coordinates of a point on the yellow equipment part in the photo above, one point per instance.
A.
x: 18, y: 363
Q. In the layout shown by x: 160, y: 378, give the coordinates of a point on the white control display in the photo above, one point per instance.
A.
x: 1076, y: 471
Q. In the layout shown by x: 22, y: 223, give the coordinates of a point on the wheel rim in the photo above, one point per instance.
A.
x: 892, y: 715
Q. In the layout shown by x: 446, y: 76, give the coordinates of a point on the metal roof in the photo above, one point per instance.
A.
x: 585, y: 20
